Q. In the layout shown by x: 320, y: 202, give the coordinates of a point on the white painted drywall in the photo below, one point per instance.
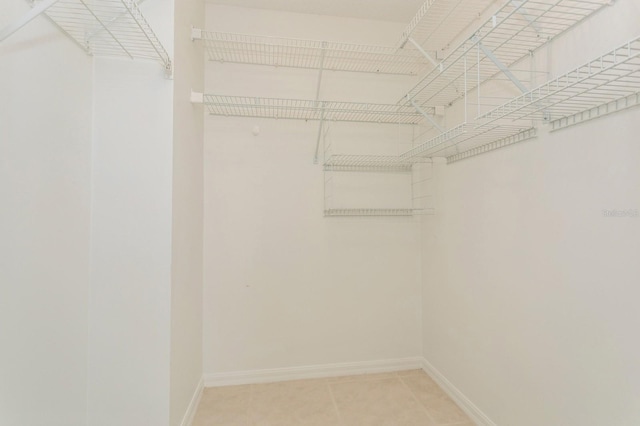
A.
x: 187, y: 232
x: 285, y: 286
x: 529, y: 292
x: 130, y: 297
x: 45, y: 151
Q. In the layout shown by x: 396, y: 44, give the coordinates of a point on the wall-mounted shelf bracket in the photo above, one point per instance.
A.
x: 502, y: 67
x: 36, y: 11
x: 197, y: 98
x: 196, y: 34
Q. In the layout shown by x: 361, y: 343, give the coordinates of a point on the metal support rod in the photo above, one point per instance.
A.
x: 427, y: 116
x: 466, y: 92
x: 315, y: 157
x: 424, y: 52
x: 526, y: 15
x: 502, y: 67
x: 104, y: 26
x: 322, y: 54
x: 28, y: 17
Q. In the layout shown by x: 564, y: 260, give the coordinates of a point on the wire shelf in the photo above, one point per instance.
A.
x: 370, y: 163
x: 300, y: 109
x: 614, y: 75
x: 466, y: 137
x: 312, y: 54
x: 492, y: 146
x: 370, y: 212
x: 438, y: 22
x: 516, y: 29
x: 109, y: 28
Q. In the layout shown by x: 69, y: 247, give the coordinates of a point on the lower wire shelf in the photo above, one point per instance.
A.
x: 375, y: 212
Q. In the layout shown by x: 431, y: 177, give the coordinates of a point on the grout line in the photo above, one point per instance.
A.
x: 335, y: 404
x: 418, y: 401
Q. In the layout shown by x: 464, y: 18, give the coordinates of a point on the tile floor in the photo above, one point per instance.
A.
x: 405, y: 398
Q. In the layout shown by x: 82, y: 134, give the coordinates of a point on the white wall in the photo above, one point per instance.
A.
x: 130, y: 297
x: 45, y: 149
x: 528, y: 291
x: 284, y: 286
x: 187, y: 232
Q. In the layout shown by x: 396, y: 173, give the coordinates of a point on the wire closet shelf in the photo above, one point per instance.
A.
x: 606, y: 79
x: 370, y: 163
x: 311, y: 54
x: 438, y: 22
x: 109, y: 28
x: 511, y: 34
x: 301, y: 109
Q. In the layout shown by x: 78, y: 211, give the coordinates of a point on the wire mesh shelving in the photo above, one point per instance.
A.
x: 311, y: 54
x: 438, y: 22
x: 302, y: 109
x: 515, y: 30
x: 109, y: 28
x: 602, y: 81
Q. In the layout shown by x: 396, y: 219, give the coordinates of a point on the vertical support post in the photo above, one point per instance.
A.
x: 28, y: 17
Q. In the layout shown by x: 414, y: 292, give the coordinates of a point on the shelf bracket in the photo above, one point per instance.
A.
x: 502, y: 67
x: 28, y: 17
x: 196, y: 34
x: 425, y: 54
x: 197, y: 97
x: 429, y: 118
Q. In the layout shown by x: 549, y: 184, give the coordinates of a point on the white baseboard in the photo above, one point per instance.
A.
x: 311, y: 372
x: 193, y: 405
x: 463, y: 402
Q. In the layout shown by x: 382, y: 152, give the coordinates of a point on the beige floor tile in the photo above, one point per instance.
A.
x: 423, y: 387
x: 416, y: 372
x: 305, y: 402
x: 385, y: 402
x: 445, y: 412
x: 363, y: 377
x: 220, y: 406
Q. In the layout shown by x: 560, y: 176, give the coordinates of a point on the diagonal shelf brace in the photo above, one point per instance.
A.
x: 28, y: 17
x: 427, y: 116
x: 526, y: 15
x: 317, y: 102
x: 502, y: 67
x: 425, y: 53
x: 315, y: 157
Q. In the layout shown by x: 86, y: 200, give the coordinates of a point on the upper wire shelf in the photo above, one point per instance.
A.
x: 109, y: 28
x: 467, y: 137
x: 438, y: 22
x: 300, y: 109
x: 515, y: 30
x: 312, y: 54
x: 612, y: 76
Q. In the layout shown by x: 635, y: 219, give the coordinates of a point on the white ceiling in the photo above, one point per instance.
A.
x: 381, y: 10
